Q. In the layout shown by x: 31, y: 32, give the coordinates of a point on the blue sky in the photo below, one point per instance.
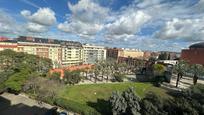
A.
x: 144, y: 24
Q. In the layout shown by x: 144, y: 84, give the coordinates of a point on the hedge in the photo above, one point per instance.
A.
x: 76, y: 107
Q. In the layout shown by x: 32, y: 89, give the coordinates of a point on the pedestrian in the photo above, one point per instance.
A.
x: 195, y: 78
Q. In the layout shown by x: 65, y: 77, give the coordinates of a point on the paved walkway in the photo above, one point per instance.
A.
x: 21, y: 105
x: 184, y: 83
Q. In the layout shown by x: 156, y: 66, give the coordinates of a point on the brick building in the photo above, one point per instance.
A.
x: 195, y: 54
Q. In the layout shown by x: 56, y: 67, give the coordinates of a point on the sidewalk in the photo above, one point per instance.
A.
x: 184, y: 83
x: 11, y: 104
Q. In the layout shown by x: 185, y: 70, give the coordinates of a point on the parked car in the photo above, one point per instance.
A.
x: 52, y: 111
x: 63, y: 113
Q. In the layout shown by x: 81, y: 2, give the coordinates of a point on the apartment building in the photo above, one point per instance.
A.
x: 62, y: 53
x: 122, y: 55
x: 133, y: 53
x: 93, y: 53
x: 116, y: 53
x: 42, y: 47
x: 72, y: 53
x: 8, y: 44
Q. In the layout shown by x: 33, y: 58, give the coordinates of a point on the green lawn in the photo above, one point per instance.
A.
x: 85, y: 94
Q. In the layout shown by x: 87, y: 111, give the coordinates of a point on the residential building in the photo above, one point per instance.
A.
x: 3, y: 38
x: 41, y: 47
x: 195, y: 54
x: 133, y: 53
x: 72, y: 53
x: 62, y: 53
x: 93, y: 53
x: 116, y: 53
x: 122, y: 55
x: 8, y: 44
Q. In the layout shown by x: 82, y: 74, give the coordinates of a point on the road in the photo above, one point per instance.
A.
x: 11, y: 104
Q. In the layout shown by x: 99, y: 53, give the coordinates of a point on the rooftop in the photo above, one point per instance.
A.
x: 197, y: 45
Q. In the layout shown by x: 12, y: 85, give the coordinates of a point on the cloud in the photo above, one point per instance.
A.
x: 88, y: 12
x: 44, y: 16
x: 80, y: 28
x: 39, y: 21
x: 128, y: 24
x: 26, y: 13
x: 36, y: 28
x: 87, y: 18
x: 8, y: 24
x: 185, y: 29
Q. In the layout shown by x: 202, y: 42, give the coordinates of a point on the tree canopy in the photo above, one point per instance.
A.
x: 15, y: 67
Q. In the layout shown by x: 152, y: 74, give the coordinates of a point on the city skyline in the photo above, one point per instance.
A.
x: 159, y: 25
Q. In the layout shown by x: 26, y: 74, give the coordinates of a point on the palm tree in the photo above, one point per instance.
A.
x: 86, y: 72
x: 196, y: 70
x: 108, y: 72
x: 103, y: 69
x: 180, y: 68
x: 96, y: 73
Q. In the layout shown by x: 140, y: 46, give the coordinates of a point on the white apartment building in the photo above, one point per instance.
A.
x: 93, y: 53
x: 72, y: 53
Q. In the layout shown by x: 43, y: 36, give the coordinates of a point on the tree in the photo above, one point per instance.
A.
x: 38, y: 86
x: 17, y: 66
x: 86, y: 72
x: 118, y: 103
x: 158, y: 73
x: 118, y: 76
x: 169, y: 57
x: 56, y: 76
x: 180, y: 68
x: 196, y: 70
x: 96, y: 73
x: 72, y: 77
x: 126, y: 102
x: 133, y: 106
x: 108, y: 73
x: 163, y: 56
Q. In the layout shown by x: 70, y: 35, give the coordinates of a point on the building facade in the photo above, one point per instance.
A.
x: 12, y: 45
x: 93, y: 53
x: 62, y: 53
x: 72, y: 53
x: 195, y: 54
x: 117, y: 53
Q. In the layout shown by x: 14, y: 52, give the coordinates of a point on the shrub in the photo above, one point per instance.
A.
x: 125, y: 103
x: 152, y: 105
x: 55, y: 76
x: 119, y: 77
x: 72, y: 77
x: 76, y: 107
x: 159, y: 70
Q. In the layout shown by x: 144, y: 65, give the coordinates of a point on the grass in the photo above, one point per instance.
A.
x: 86, y: 94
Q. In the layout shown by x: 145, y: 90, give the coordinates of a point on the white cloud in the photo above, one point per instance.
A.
x: 26, y: 13
x: 127, y: 24
x: 80, y: 28
x: 36, y: 28
x: 44, y: 16
x: 88, y: 12
x: 186, y: 29
x: 8, y: 24
x: 87, y: 18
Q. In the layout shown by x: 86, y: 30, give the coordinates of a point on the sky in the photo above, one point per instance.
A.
x: 156, y: 25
